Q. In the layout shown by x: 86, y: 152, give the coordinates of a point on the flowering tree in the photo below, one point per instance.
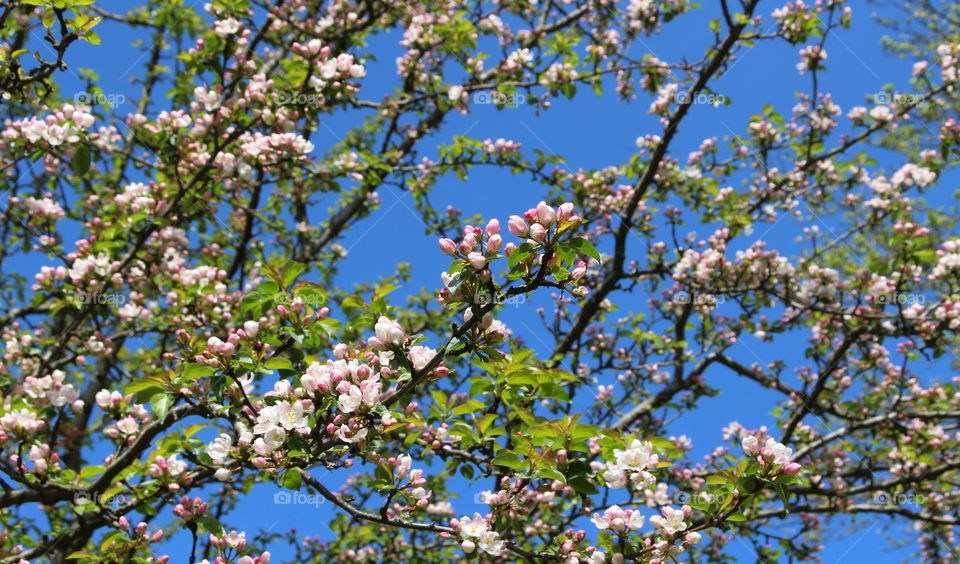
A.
x: 183, y: 341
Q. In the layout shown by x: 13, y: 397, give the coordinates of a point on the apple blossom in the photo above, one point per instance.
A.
x: 184, y: 319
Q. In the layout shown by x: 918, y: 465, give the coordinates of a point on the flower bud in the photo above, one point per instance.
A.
x: 447, y: 246
x: 517, y: 226
x: 538, y: 232
x: 477, y: 260
x: 545, y: 214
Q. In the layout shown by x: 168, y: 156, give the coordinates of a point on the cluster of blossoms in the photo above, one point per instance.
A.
x: 190, y: 509
x: 811, y: 58
x: 631, y: 466
x: 949, y: 57
x: 66, y: 125
x: 772, y: 453
x: 475, y: 533
x: 352, y: 381
x: 410, y: 481
x: 671, y: 524
x: 234, y: 542
x: 948, y: 261
x: 793, y: 19
x: 40, y: 209
x: 52, y: 389
x: 618, y: 520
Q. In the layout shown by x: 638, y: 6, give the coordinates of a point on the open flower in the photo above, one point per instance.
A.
x: 389, y: 332
x: 673, y: 520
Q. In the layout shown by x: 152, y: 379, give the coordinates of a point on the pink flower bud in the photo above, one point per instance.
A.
x: 447, y: 246
x: 578, y: 272
x: 494, y: 243
x: 508, y: 250
x: 493, y: 227
x: 791, y: 468
x: 565, y: 210
x: 517, y: 226
x: 538, y: 232
x: 477, y: 260
x: 545, y: 214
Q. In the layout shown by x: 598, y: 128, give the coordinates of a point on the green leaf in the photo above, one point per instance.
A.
x: 552, y: 474
x: 278, y: 362
x: 194, y: 371
x: 292, y: 479
x: 161, y: 404
x: 145, y: 388
x: 584, y: 247
x: 716, y: 479
x: 290, y: 272
x: 468, y: 407
x: 508, y: 459
x: 737, y: 517
x: 91, y: 471
x: 583, y: 485
x: 519, y: 254
x: 109, y: 538
x: 210, y: 524
x: 784, y: 495
x: 81, y: 160
x: 311, y: 293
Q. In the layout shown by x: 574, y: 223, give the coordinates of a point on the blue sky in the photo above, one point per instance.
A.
x: 590, y: 131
